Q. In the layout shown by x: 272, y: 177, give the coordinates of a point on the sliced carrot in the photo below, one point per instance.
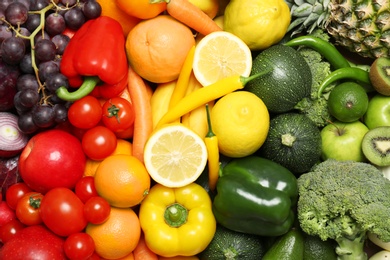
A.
x: 142, y: 251
x: 191, y: 15
x: 143, y: 122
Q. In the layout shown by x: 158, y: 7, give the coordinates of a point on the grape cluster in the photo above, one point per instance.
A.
x: 33, y: 37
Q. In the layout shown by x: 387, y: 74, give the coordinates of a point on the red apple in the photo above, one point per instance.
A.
x: 53, y: 158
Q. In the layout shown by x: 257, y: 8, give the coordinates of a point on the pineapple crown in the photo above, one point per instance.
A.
x: 308, y: 15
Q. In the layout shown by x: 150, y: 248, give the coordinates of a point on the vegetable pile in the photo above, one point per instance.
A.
x: 89, y: 168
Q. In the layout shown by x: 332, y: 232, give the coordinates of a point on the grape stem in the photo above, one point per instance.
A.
x: 31, y: 38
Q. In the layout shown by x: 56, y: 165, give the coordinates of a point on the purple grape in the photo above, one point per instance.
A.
x: 26, y: 123
x: 92, y: 9
x: 60, y: 41
x: 25, y: 64
x: 55, y: 81
x: 28, y: 98
x: 5, y: 33
x: 55, y: 24
x: 33, y: 21
x: 61, y: 113
x: 16, y: 13
x: 12, y: 50
x: 74, y: 18
x: 43, y: 116
x: 45, y: 50
x: 27, y: 81
x: 46, y: 69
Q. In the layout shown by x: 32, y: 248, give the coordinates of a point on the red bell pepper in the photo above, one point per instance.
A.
x: 95, y: 60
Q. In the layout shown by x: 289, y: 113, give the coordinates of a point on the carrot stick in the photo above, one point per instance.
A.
x: 143, y: 123
x: 190, y: 15
x: 142, y: 252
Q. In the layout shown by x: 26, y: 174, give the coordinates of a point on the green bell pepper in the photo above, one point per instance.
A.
x: 256, y: 196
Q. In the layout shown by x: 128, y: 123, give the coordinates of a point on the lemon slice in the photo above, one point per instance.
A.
x: 219, y: 55
x: 175, y: 156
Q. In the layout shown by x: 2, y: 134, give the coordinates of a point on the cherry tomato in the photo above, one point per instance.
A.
x: 62, y: 212
x: 27, y: 209
x: 10, y: 229
x: 85, y: 188
x: 99, y: 142
x: 118, y: 114
x: 85, y: 113
x: 15, y: 192
x: 79, y: 246
x: 97, y: 210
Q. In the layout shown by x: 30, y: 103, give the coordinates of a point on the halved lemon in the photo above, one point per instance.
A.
x: 174, y: 155
x: 219, y: 55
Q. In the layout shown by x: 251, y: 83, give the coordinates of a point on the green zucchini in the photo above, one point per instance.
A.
x: 293, y: 141
x: 231, y: 245
x: 288, y: 82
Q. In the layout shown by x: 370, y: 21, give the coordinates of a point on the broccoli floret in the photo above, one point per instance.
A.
x: 316, y: 108
x: 343, y: 200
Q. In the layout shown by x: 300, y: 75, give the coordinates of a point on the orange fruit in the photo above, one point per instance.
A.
x: 142, y: 9
x: 156, y: 48
x: 122, y: 147
x: 118, y: 236
x: 122, y: 180
x: 111, y: 9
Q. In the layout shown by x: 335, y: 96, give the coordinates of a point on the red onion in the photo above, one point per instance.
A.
x: 12, y: 140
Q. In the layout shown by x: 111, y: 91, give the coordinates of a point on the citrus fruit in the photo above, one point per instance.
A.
x: 259, y: 24
x: 348, y: 102
x: 156, y: 48
x: 210, y: 7
x: 240, y: 120
x: 118, y: 235
x: 142, y: 9
x: 111, y: 9
x: 219, y: 55
x: 122, y: 180
x: 174, y: 155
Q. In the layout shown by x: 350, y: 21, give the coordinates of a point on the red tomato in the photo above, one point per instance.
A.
x: 15, y: 192
x: 10, y: 229
x: 99, y: 142
x: 6, y: 213
x: 62, y: 212
x: 97, y: 210
x: 27, y: 209
x: 118, y: 114
x: 79, y: 246
x: 34, y: 242
x: 85, y: 113
x: 85, y: 188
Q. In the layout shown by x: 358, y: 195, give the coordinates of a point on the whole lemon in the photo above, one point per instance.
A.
x: 259, y: 24
x: 240, y: 120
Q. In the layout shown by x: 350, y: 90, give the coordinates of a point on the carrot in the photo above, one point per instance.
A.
x: 142, y: 251
x: 143, y: 123
x: 190, y: 15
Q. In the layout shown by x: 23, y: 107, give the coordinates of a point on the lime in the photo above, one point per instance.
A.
x: 348, y: 102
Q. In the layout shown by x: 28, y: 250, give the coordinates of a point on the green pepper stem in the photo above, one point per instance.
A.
x: 245, y: 80
x: 87, y: 87
x: 210, y: 132
x: 175, y: 215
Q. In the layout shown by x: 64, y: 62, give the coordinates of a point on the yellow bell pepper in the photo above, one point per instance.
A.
x: 177, y: 221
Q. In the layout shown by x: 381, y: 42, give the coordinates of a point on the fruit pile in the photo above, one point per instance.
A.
x: 156, y: 129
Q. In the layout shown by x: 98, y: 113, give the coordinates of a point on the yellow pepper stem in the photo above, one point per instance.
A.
x: 175, y: 215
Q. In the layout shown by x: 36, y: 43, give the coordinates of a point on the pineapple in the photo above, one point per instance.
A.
x: 362, y: 26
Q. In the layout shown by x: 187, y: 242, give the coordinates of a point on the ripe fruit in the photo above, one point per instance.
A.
x: 122, y: 180
x: 53, y: 158
x: 240, y: 120
x: 156, y: 48
x: 175, y: 155
x: 118, y: 236
x: 219, y: 55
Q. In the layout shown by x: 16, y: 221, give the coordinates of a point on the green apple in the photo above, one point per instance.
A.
x: 343, y: 141
x: 378, y: 112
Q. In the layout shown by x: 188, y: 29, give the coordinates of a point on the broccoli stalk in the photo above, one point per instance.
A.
x: 343, y: 201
